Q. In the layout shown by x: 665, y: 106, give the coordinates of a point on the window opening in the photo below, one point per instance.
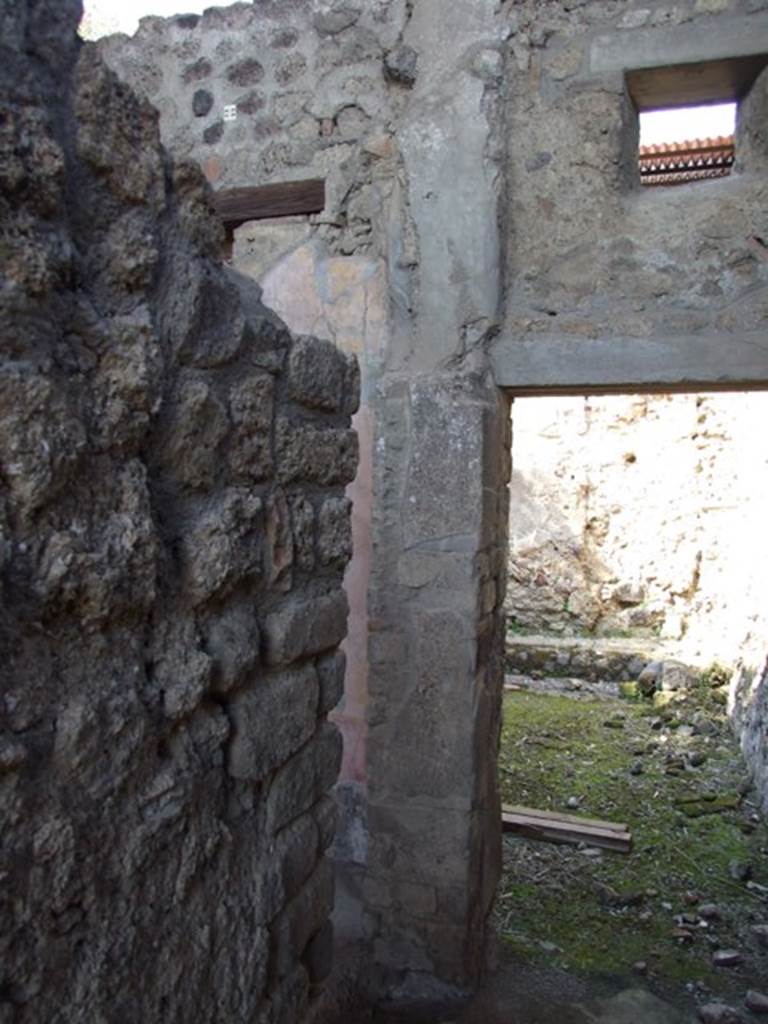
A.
x: 685, y: 144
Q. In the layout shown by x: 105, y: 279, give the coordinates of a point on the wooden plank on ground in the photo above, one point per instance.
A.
x: 550, y: 827
x: 282, y: 199
x: 576, y: 819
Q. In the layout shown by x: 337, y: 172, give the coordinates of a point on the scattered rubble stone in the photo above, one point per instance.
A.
x: 719, y: 1013
x: 757, y: 1002
x: 727, y: 957
x: 710, y: 911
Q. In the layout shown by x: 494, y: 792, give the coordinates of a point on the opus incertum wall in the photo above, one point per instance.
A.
x: 173, y: 537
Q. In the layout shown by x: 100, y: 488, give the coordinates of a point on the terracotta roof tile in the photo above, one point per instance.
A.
x: 677, y: 162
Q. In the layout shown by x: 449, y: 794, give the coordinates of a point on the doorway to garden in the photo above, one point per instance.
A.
x: 634, y: 665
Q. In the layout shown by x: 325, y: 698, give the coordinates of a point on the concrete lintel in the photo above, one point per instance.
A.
x: 736, y: 36
x: 567, y: 365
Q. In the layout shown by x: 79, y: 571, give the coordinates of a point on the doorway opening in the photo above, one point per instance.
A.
x: 637, y: 634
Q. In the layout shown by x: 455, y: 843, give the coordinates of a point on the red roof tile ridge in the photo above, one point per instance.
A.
x: 688, y: 146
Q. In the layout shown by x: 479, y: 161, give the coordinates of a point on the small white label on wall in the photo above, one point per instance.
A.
x: 230, y: 112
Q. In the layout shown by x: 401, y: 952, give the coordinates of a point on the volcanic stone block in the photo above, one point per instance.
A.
x: 213, y: 133
x: 272, y: 720
x: 334, y: 532
x: 316, y: 370
x: 305, y: 627
x: 246, y: 72
x: 202, y: 103
x: 225, y: 547
x: 309, y: 773
x: 334, y: 454
x: 232, y: 640
x: 330, y: 670
x: 303, y: 917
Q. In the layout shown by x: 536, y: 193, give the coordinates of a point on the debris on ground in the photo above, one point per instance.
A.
x: 688, y: 908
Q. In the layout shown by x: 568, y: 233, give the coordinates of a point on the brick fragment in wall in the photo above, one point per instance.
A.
x: 264, y: 733
x: 135, y: 367
x: 305, y: 627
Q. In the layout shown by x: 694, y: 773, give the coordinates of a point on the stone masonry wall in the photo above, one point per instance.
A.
x: 410, y: 164
x: 310, y: 97
x: 593, y: 254
x: 481, y: 199
x: 316, y: 87
x: 173, y: 537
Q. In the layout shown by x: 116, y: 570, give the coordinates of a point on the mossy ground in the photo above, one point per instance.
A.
x: 604, y: 914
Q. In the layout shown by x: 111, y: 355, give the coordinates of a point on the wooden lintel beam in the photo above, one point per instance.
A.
x: 282, y: 199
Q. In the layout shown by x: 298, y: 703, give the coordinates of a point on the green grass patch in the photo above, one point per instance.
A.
x: 605, y: 913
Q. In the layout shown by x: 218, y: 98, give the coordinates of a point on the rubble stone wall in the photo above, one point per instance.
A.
x: 310, y: 95
x: 315, y: 88
x: 173, y: 537
x: 592, y: 253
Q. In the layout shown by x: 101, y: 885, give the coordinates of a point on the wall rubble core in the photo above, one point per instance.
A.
x: 173, y: 536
